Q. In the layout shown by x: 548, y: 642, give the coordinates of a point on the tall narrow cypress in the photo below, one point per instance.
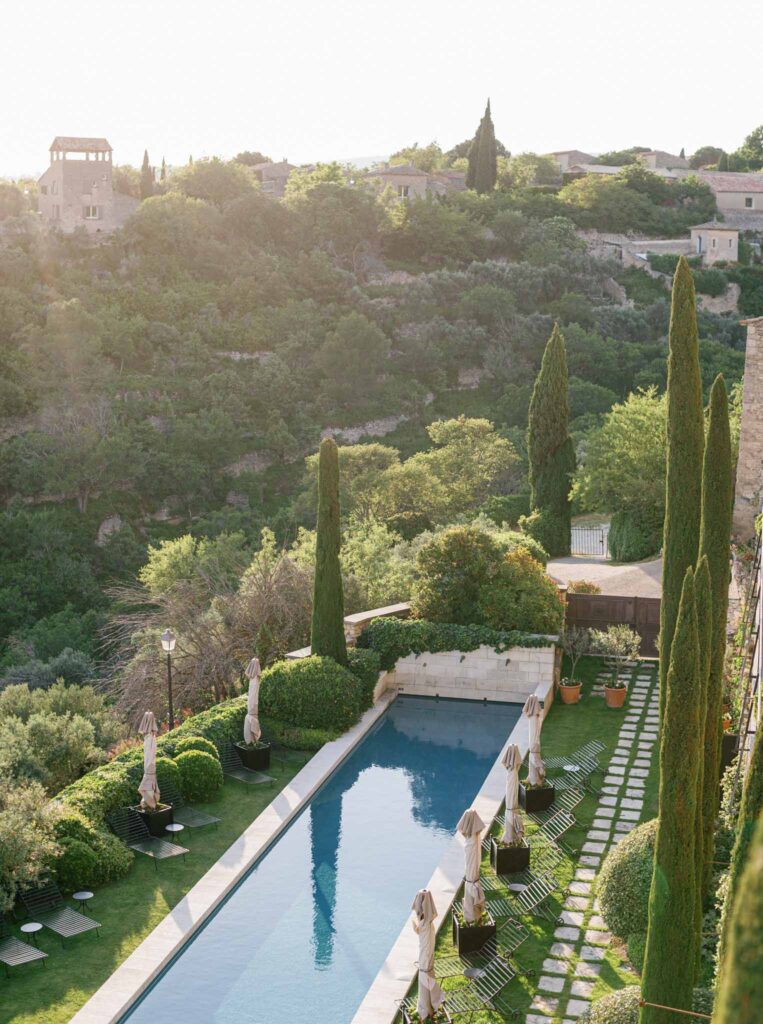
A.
x: 739, y: 998
x: 486, y: 170
x: 146, y: 177
x: 669, y: 970
x: 704, y: 600
x: 686, y: 438
x: 327, y: 632
x: 750, y: 809
x: 715, y: 542
x: 550, y: 449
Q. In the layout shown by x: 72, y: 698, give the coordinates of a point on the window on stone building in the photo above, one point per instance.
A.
x: 748, y: 202
x: 44, y: 189
x: 56, y: 212
x: 714, y: 243
x: 731, y: 242
x: 54, y: 187
x: 91, y: 212
x: 402, y: 191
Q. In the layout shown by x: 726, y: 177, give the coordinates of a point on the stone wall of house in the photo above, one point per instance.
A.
x: 749, y: 480
x: 477, y: 675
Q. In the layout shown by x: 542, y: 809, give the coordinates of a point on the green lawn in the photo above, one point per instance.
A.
x: 565, y: 729
x: 131, y: 908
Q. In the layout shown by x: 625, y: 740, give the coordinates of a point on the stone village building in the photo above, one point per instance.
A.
x: 77, y: 190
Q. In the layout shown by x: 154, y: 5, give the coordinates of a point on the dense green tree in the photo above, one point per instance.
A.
x: 251, y: 157
x: 327, y: 632
x: 714, y: 542
x: 703, y: 596
x: 668, y: 979
x: 706, y: 155
x: 163, y: 172
x: 483, y: 156
x: 550, y: 449
x: 751, y: 150
x: 146, y: 178
x: 739, y: 999
x: 214, y: 181
x: 723, y: 163
x: 686, y: 438
x: 426, y: 158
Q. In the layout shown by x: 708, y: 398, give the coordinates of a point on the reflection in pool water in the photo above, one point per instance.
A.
x: 304, y: 935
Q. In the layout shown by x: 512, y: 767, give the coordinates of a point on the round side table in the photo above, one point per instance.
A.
x: 31, y: 928
x: 82, y: 898
x: 517, y: 888
x: 574, y: 768
x: 174, y: 829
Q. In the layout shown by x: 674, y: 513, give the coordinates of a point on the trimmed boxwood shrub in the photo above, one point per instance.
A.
x: 201, y: 776
x: 101, y: 791
x: 393, y: 639
x: 622, y: 1007
x: 364, y: 663
x: 195, y: 743
x: 166, y: 771
x: 634, y: 535
x: 77, y: 866
x: 636, y: 950
x: 625, y: 880
x: 313, y: 692
x: 109, y: 859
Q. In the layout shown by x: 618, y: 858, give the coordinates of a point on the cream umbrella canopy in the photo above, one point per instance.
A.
x: 430, y: 994
x: 514, y: 826
x: 252, y: 731
x: 533, y: 710
x: 149, y: 787
x: 470, y: 826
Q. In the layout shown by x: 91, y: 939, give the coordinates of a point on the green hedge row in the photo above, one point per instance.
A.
x: 393, y: 639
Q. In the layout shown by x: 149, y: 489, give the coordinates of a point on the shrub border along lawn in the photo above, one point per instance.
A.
x: 130, y: 908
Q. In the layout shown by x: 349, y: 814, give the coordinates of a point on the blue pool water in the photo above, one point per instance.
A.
x: 305, y: 933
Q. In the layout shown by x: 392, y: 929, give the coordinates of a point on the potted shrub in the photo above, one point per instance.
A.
x: 508, y: 858
x: 621, y: 644
x: 157, y: 818
x: 469, y: 938
x: 575, y: 642
x: 254, y: 756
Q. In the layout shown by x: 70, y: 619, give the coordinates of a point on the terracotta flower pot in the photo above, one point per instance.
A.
x: 615, y: 696
x: 570, y: 692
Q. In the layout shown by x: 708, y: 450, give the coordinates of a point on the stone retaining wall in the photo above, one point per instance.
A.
x: 477, y: 675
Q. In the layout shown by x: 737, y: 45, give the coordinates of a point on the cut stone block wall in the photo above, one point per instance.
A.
x: 749, y: 481
x: 477, y: 675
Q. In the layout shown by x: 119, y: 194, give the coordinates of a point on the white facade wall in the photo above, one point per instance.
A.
x: 477, y: 675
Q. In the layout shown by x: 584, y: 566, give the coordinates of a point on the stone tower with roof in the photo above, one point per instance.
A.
x: 77, y: 190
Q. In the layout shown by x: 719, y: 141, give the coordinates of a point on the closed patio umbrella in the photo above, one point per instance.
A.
x: 430, y: 993
x: 470, y: 826
x: 514, y: 827
x: 536, y: 774
x: 149, y: 787
x: 252, y: 731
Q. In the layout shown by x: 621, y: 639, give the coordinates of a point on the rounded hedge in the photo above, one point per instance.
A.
x: 106, y: 858
x: 166, y: 771
x: 366, y: 665
x: 315, y: 693
x: 77, y: 866
x: 622, y: 1007
x: 201, y: 776
x: 634, y: 536
x: 196, y: 743
x: 625, y: 879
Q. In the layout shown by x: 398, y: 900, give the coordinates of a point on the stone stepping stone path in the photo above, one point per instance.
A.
x: 569, y: 973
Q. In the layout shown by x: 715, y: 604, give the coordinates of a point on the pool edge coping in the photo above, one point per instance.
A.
x: 130, y: 980
x: 381, y: 1002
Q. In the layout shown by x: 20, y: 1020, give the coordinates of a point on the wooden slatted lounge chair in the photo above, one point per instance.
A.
x: 556, y: 827
x: 46, y: 905
x: 191, y: 817
x: 232, y: 767
x: 14, y: 952
x: 483, y: 991
x: 567, y: 800
x: 509, y: 938
x: 128, y: 826
x: 530, y: 901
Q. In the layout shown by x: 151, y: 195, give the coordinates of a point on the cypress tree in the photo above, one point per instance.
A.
x: 682, y: 154
x: 750, y: 809
x: 669, y: 967
x: 146, y: 178
x: 163, y: 172
x: 703, y: 599
x: 739, y: 999
x: 723, y: 163
x: 486, y: 157
x: 550, y: 449
x: 327, y: 632
x: 714, y: 542
x: 686, y: 438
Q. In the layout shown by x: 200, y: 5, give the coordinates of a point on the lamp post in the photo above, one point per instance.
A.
x: 168, y: 643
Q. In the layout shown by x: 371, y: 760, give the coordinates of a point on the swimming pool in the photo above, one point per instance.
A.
x: 304, y: 934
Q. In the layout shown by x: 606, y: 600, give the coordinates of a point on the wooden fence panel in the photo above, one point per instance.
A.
x: 597, y: 611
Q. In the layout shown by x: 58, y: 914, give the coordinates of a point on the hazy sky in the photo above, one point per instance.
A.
x: 323, y: 79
